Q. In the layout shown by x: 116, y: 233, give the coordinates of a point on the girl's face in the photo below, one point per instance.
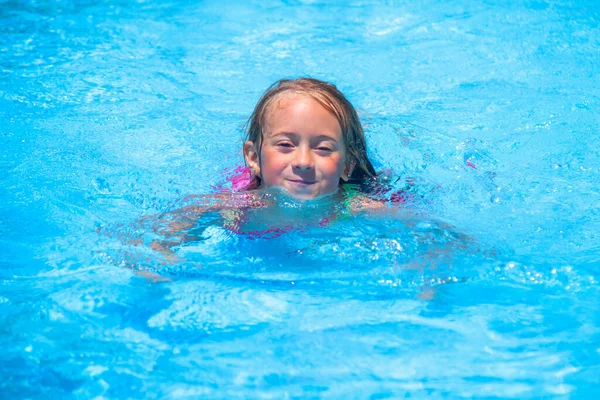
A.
x: 302, y: 151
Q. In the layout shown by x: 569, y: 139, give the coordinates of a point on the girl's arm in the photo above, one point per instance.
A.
x: 174, y: 226
x: 163, y: 231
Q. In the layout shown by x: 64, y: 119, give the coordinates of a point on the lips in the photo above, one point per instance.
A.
x: 302, y: 182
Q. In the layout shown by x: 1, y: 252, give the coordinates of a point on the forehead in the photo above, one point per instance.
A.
x: 284, y: 99
x: 301, y: 111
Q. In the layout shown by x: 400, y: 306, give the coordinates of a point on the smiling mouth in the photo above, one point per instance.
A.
x: 302, y: 182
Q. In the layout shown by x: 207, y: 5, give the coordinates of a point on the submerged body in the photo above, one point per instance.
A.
x: 259, y: 213
x: 417, y: 239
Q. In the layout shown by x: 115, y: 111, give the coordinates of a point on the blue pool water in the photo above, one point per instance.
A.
x: 111, y: 111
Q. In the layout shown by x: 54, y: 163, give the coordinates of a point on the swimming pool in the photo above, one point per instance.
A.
x: 487, y: 110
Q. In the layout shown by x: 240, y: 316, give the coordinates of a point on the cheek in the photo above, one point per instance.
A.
x: 334, y: 166
x: 271, y: 164
x: 332, y: 170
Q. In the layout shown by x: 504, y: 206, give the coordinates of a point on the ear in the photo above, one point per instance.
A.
x: 348, y: 170
x: 252, y: 157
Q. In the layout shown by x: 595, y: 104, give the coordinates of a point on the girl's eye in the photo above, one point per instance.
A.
x: 285, y: 145
x: 322, y: 148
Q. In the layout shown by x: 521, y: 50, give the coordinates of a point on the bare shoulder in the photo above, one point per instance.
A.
x: 360, y: 203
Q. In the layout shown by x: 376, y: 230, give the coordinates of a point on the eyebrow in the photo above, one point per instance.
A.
x: 321, y: 137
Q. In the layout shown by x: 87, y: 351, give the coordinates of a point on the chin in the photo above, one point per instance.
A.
x: 300, y: 195
x: 304, y: 196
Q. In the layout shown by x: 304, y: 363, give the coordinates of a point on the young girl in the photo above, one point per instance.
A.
x: 305, y: 143
x: 305, y: 147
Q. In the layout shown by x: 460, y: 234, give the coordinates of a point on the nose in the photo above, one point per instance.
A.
x: 303, y: 160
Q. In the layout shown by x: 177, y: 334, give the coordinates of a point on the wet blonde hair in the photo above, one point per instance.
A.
x: 328, y: 96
